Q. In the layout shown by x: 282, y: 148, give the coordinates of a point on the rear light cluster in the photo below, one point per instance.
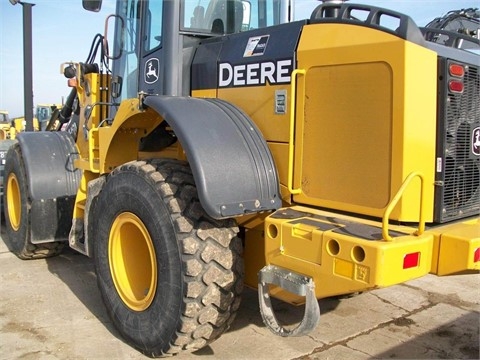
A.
x: 456, y: 72
x: 476, y: 255
x: 411, y: 260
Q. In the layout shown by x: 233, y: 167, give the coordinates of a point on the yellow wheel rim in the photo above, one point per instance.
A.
x: 132, y: 261
x: 14, y: 201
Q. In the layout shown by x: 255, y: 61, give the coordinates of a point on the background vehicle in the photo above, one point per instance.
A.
x: 19, y: 124
x: 43, y: 113
x: 10, y: 128
x: 4, y: 125
x: 338, y: 154
x: 3, y: 116
x: 463, y: 21
x: 5, y: 143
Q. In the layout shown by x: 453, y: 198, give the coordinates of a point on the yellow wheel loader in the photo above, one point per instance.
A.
x: 4, y: 125
x: 5, y: 142
x: 43, y: 115
x: 215, y: 143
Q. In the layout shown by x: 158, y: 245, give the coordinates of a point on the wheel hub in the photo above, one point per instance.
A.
x: 132, y: 261
x: 14, y: 201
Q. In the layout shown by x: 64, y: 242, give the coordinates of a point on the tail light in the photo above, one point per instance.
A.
x: 455, y: 86
x: 456, y: 70
x: 411, y: 260
x: 457, y: 73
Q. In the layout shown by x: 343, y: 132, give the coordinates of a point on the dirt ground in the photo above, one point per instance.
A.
x: 51, y: 309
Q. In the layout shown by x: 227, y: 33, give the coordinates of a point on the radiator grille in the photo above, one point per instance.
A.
x: 460, y: 183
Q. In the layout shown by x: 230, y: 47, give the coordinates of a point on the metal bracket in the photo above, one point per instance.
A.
x: 296, y: 284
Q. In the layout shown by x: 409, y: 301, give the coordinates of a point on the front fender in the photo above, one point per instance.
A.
x: 231, y: 163
x: 52, y: 182
x: 48, y: 158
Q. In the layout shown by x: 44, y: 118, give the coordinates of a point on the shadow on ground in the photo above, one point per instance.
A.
x: 458, y: 339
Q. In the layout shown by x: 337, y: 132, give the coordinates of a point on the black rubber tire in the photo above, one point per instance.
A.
x: 199, y: 260
x: 17, y: 211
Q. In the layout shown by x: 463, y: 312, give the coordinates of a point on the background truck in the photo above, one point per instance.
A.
x: 214, y: 143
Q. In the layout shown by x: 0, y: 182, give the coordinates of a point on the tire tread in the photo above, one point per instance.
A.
x: 211, y: 257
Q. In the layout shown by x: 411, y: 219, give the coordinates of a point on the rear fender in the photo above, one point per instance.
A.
x: 52, y: 182
x: 231, y: 163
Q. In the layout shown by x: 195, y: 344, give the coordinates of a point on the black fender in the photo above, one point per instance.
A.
x: 231, y: 163
x: 52, y: 182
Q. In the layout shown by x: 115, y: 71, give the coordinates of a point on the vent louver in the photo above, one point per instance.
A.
x: 459, y: 121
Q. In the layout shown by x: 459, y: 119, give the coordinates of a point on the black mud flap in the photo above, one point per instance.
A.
x: 52, y: 183
x: 232, y: 165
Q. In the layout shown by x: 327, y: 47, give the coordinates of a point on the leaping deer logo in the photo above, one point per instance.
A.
x: 476, y: 141
x: 151, y: 70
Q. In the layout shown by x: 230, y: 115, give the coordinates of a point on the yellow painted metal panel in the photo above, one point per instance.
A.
x: 258, y: 102
x: 345, y: 269
x: 299, y: 240
x: 118, y: 143
x: 280, y: 154
x: 87, y: 98
x: 358, y: 140
x: 454, y: 247
x: 207, y: 93
x: 254, y: 255
x: 343, y: 254
x: 347, y: 134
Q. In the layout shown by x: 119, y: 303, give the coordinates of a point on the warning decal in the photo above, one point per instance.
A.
x: 256, y: 46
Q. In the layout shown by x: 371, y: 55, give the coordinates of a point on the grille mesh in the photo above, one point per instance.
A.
x: 461, y: 185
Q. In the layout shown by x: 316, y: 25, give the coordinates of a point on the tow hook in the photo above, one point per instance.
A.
x: 295, y: 283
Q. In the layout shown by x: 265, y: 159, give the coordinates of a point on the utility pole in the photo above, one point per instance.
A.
x: 27, y: 62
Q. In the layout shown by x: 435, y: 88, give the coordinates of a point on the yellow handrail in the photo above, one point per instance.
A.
x: 393, y: 203
x: 291, y: 139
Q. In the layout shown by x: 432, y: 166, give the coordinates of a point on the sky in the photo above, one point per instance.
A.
x: 63, y: 32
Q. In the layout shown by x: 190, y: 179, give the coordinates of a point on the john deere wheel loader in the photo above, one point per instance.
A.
x: 216, y: 143
x: 4, y: 124
x: 5, y: 143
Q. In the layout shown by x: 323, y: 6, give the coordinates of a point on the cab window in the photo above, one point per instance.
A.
x: 153, y: 25
x: 126, y: 66
x: 214, y: 17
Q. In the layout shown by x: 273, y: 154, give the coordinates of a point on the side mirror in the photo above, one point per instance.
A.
x: 247, y: 12
x: 92, y: 5
x: 120, y: 33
